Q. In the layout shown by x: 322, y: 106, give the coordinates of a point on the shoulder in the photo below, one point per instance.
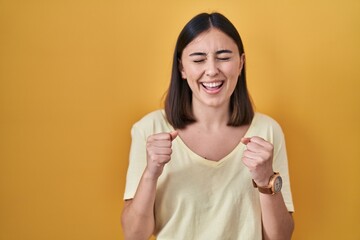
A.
x: 266, y: 120
x: 266, y: 125
x: 153, y: 122
x: 157, y: 115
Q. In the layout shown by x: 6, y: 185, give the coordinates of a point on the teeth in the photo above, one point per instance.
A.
x: 211, y: 84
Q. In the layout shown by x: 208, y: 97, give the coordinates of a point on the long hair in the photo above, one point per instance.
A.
x: 178, y: 101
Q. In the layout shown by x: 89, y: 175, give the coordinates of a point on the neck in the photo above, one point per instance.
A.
x: 211, y: 118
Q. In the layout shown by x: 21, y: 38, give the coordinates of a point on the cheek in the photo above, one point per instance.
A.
x: 233, y: 71
x: 193, y: 72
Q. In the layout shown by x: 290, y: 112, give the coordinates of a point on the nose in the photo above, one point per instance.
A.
x: 211, y: 68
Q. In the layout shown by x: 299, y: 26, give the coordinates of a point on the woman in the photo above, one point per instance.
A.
x: 208, y: 167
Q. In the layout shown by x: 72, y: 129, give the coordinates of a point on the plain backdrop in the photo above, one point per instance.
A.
x: 75, y: 75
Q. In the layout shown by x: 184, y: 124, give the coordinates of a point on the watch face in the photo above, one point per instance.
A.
x: 278, y: 184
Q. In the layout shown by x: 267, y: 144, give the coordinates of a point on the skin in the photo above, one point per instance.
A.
x: 138, y: 213
x: 211, y: 58
x: 210, y: 64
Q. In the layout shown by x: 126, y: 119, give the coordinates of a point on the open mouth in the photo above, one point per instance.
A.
x: 211, y: 86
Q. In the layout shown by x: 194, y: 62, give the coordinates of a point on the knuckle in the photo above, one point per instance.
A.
x: 267, y: 156
x: 263, y: 158
x: 153, y: 158
x: 150, y: 138
x: 271, y: 147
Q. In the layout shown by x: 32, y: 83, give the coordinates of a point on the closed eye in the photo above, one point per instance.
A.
x: 198, y: 60
x: 224, y: 59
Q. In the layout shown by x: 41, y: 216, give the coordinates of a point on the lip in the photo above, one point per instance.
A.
x: 212, y: 87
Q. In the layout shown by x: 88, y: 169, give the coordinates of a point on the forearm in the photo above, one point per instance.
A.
x: 277, y: 221
x: 138, y: 214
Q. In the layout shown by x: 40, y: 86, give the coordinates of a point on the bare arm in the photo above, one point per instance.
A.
x: 138, y: 214
x: 277, y: 221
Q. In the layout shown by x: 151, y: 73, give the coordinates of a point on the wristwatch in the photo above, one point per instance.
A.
x: 274, y: 186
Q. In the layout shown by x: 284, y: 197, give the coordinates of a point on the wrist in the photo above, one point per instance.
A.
x: 264, y: 180
x: 149, y: 176
x: 274, y: 185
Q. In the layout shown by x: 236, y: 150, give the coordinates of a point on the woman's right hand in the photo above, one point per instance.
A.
x: 138, y: 215
x: 158, y: 151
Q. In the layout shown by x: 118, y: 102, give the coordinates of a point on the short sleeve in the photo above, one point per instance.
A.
x: 280, y: 164
x: 137, y: 162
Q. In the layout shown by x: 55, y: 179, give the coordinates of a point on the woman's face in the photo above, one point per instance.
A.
x: 211, y: 64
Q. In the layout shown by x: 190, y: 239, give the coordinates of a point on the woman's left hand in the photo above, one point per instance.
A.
x: 258, y: 158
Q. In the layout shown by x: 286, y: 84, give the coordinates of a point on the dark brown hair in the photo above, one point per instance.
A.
x: 178, y: 101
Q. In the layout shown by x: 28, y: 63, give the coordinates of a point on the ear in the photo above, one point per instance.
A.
x: 242, y: 62
x: 181, y: 69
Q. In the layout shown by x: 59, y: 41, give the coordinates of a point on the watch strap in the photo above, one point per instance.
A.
x: 269, y: 188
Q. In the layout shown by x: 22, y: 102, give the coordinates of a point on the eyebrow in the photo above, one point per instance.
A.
x: 223, y: 51
x: 204, y: 54
x: 198, y: 54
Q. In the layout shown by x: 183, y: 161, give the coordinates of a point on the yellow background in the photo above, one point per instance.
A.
x: 75, y: 75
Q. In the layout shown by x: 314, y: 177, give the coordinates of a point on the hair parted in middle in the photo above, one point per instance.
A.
x: 178, y: 101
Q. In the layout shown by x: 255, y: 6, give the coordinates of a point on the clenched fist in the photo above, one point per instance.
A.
x: 258, y: 158
x: 158, y: 151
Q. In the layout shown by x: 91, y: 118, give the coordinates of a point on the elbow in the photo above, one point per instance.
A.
x: 130, y: 232
x: 291, y: 227
x: 134, y: 229
x: 125, y: 228
x: 283, y: 231
x: 135, y: 234
x: 287, y: 231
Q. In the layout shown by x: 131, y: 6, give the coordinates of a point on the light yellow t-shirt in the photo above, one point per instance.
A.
x: 198, y: 199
